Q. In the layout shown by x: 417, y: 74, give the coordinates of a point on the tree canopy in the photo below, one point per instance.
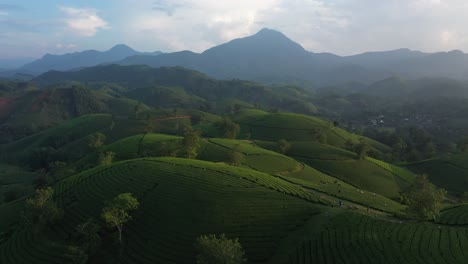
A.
x: 215, y: 250
x: 41, y: 209
x: 117, y: 211
x: 424, y: 198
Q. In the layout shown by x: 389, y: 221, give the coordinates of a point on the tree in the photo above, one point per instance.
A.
x: 214, y: 250
x: 362, y: 148
x: 283, y: 146
x: 106, y: 158
x: 463, y: 145
x: 41, y: 209
x: 229, y: 128
x: 96, y: 140
x: 318, y: 135
x: 423, y: 198
x: 88, y: 235
x: 236, y: 156
x: 117, y: 211
x: 190, y: 143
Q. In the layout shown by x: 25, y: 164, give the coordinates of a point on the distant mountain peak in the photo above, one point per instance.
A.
x: 121, y: 48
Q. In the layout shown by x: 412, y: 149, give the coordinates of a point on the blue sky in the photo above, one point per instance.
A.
x: 31, y: 28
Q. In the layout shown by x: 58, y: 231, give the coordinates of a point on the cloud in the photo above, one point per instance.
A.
x: 338, y: 26
x: 166, y: 6
x: 83, y: 21
x: 66, y: 46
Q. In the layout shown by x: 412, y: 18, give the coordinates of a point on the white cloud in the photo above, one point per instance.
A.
x: 339, y: 26
x: 3, y: 13
x: 83, y: 21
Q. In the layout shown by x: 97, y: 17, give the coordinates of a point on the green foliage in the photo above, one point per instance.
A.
x: 96, y: 140
x: 42, y: 210
x: 424, y: 198
x: 235, y: 156
x: 106, y: 158
x: 283, y: 146
x: 215, y: 250
x: 229, y: 128
x: 88, y: 237
x: 190, y: 143
x: 117, y: 211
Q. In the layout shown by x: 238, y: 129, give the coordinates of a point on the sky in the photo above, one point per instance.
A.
x: 32, y: 28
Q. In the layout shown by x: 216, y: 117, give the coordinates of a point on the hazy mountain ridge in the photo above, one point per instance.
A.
x: 76, y: 60
x: 269, y: 57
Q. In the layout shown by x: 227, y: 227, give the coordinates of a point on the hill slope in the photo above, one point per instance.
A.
x: 180, y: 200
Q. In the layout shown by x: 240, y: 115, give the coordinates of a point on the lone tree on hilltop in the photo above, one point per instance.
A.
x: 424, y: 198
x: 41, y: 209
x: 117, y: 212
x: 216, y: 250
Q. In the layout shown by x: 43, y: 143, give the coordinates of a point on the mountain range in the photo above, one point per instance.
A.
x: 77, y: 60
x: 271, y: 57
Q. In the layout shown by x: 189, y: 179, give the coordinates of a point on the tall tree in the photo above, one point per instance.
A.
x: 230, y: 129
x: 190, y: 143
x: 219, y: 250
x: 362, y: 148
x: 41, y: 209
x: 424, y: 198
x: 88, y: 236
x: 235, y: 156
x: 117, y: 212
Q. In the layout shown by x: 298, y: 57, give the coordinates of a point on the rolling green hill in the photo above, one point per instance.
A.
x: 369, y: 174
x: 295, y: 127
x: 259, y: 159
x: 450, y: 173
x: 457, y: 215
x: 35, y: 111
x: 180, y: 199
x: 354, y: 238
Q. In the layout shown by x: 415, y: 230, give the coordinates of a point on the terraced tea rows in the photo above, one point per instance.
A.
x: 180, y: 200
x: 353, y: 238
x: 455, y: 216
x: 403, y: 173
x: 318, y: 181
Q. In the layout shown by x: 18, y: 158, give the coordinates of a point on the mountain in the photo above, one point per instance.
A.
x: 13, y: 63
x: 271, y: 57
x: 82, y: 59
x: 268, y: 56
